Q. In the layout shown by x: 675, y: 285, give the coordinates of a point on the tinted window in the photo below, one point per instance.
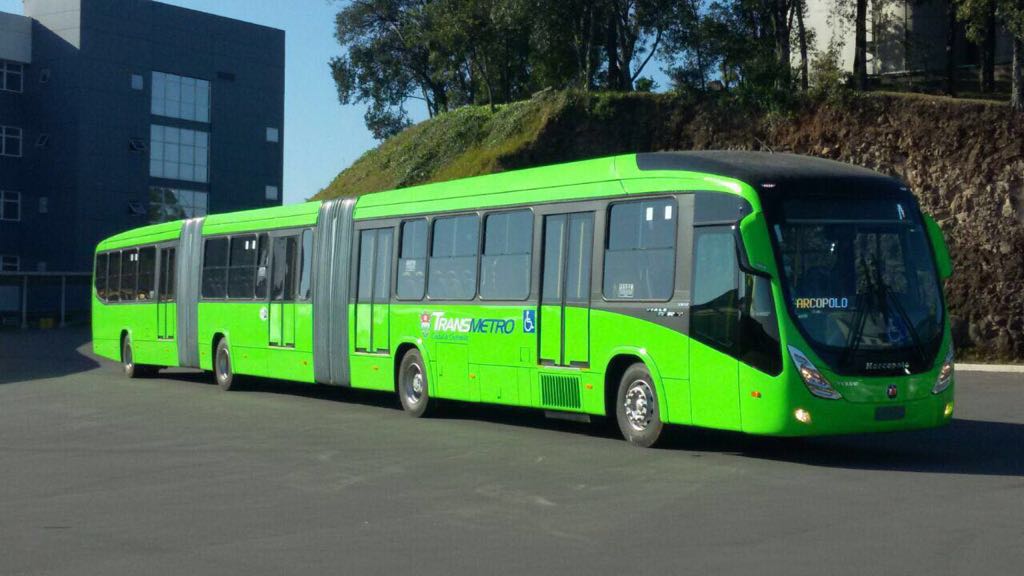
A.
x: 581, y: 239
x: 242, y: 267
x: 215, y: 268
x: 759, y: 327
x: 114, y: 277
x: 168, y: 271
x: 306, y: 273
x: 263, y: 267
x: 147, y: 273
x: 101, y: 276
x: 505, y: 264
x: 554, y: 257
x: 412, y: 260
x: 129, y: 274
x: 282, y: 279
x: 715, y: 310
x: 639, y: 259
x: 453, y: 258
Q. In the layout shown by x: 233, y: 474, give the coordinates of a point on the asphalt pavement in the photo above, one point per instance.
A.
x: 102, y: 475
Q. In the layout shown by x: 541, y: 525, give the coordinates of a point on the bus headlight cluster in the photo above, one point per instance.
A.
x: 816, y: 383
x: 945, y: 374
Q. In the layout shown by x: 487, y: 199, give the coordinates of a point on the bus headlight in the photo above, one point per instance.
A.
x: 945, y: 374
x: 816, y: 383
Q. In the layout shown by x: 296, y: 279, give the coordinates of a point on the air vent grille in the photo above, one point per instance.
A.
x: 559, y: 391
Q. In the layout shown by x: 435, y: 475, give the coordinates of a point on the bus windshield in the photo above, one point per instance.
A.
x: 860, y: 281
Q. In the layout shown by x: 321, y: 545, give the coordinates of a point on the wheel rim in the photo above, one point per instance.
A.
x: 129, y: 363
x: 415, y: 385
x: 639, y: 405
x: 223, y: 365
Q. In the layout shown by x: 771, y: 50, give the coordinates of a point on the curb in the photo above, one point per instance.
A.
x: 1004, y: 368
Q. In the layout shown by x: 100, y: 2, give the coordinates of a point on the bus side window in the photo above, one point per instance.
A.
x: 453, y: 254
x: 715, y: 310
x: 147, y: 273
x: 242, y: 267
x: 101, y: 276
x: 639, y: 262
x: 412, y: 260
x: 114, y: 277
x: 505, y: 264
x: 215, y: 268
x: 306, y: 262
x: 129, y: 275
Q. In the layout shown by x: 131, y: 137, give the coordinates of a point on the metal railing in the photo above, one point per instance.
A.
x: 25, y: 281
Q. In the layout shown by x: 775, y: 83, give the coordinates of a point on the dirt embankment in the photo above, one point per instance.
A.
x: 964, y: 160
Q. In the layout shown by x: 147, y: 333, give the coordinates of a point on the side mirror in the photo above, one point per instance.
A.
x: 942, y: 261
x: 756, y: 254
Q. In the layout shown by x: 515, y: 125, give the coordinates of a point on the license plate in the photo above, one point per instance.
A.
x: 890, y: 413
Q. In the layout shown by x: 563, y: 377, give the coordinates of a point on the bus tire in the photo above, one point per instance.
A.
x: 222, y: 370
x: 128, y: 365
x: 413, y: 390
x: 636, y: 407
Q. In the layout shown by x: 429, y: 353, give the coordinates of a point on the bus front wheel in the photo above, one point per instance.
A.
x: 128, y: 365
x: 636, y: 407
x: 222, y: 365
x: 412, y: 385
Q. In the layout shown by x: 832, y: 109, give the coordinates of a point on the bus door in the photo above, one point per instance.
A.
x: 565, y: 294
x: 166, y: 311
x: 283, y: 259
x: 374, y: 290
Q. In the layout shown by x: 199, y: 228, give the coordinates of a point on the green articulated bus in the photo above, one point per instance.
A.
x: 765, y: 293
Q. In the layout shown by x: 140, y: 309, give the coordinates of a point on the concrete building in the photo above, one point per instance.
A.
x: 119, y: 113
x: 904, y: 36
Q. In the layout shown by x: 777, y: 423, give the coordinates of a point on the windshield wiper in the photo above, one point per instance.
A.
x: 890, y: 297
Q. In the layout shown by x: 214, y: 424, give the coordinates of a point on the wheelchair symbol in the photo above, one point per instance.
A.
x: 529, y: 321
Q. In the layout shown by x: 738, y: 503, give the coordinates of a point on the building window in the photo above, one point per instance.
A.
x: 44, y: 205
x: 10, y: 206
x: 179, y: 154
x: 12, y: 76
x: 273, y: 135
x: 43, y: 141
x: 272, y: 192
x: 181, y: 97
x: 10, y: 141
x: 166, y: 204
x: 9, y: 263
x: 137, y: 82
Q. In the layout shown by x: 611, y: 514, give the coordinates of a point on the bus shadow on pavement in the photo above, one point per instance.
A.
x: 27, y: 355
x: 976, y: 447
x: 965, y: 446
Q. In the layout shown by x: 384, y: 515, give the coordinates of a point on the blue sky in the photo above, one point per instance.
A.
x: 321, y: 137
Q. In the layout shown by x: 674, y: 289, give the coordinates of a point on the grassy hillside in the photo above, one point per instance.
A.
x: 963, y: 159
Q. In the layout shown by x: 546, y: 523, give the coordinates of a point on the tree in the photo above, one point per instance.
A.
x: 860, y: 45
x: 800, y: 10
x: 980, y: 14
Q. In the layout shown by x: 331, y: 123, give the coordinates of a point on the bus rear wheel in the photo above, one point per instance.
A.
x: 222, y: 366
x: 636, y: 407
x: 412, y: 385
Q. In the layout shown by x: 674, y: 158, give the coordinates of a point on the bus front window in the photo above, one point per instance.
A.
x: 860, y: 281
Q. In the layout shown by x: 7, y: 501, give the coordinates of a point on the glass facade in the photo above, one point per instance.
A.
x: 166, y: 204
x: 179, y: 154
x: 181, y: 97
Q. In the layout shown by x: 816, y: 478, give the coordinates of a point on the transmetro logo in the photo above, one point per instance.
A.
x: 470, y: 325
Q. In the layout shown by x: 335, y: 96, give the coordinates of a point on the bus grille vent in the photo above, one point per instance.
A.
x: 560, y: 391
